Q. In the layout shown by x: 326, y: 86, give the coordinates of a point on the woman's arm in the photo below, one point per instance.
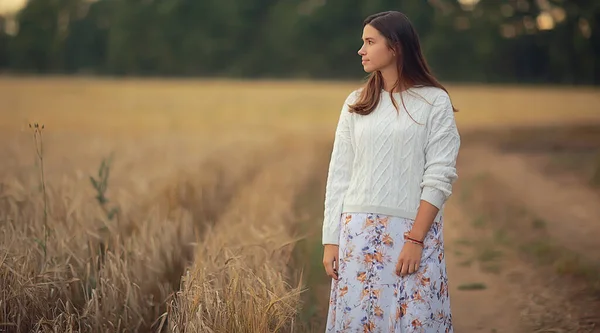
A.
x: 338, y: 178
x: 441, y: 153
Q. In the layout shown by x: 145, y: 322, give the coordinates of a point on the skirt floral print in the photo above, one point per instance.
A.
x: 368, y: 295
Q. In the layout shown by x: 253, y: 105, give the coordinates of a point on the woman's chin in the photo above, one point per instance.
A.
x: 369, y: 68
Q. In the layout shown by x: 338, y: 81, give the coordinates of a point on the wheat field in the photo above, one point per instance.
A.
x: 178, y: 205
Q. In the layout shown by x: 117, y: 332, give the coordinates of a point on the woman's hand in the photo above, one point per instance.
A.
x: 409, y: 259
x: 331, y: 260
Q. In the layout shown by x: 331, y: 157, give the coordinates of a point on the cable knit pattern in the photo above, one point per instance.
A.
x: 387, y: 163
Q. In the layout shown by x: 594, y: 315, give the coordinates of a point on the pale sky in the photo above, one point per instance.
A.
x: 11, y: 6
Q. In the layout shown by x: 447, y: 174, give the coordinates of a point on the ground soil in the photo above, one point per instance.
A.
x: 509, y: 199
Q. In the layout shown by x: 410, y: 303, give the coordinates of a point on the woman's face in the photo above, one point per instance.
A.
x: 375, y: 52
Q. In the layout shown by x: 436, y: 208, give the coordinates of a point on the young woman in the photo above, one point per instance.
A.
x: 391, y: 171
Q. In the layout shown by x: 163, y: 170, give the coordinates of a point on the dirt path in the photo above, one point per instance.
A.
x: 506, y: 233
x: 570, y: 211
x: 480, y: 300
x: 494, y: 289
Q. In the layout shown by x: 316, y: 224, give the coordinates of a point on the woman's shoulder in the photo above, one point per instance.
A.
x: 354, y: 95
x: 433, y: 96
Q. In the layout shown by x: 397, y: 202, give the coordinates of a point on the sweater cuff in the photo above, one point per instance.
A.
x: 433, y: 196
x: 330, y: 237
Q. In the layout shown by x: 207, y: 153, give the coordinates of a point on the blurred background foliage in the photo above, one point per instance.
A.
x: 504, y: 41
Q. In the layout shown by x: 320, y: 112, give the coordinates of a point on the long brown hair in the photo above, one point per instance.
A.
x: 412, y: 67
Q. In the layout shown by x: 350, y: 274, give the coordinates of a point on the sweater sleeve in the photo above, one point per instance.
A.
x: 338, y: 177
x: 441, y: 152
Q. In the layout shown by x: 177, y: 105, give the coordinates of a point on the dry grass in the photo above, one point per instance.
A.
x: 205, y: 231
x: 101, y: 274
x: 195, y: 202
x: 240, y: 267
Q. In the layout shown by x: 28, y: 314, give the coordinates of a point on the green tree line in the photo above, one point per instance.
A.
x: 523, y: 41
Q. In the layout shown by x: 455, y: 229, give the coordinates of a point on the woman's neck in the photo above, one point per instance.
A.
x: 390, y: 78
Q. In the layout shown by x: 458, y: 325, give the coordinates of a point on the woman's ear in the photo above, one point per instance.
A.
x: 395, y: 50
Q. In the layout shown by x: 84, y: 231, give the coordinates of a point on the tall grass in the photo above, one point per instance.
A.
x: 101, y: 275
x: 38, y: 140
x: 239, y: 280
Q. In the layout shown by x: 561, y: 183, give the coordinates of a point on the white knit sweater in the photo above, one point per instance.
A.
x: 386, y: 163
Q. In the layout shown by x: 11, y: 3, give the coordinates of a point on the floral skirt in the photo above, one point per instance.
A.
x: 368, y: 295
